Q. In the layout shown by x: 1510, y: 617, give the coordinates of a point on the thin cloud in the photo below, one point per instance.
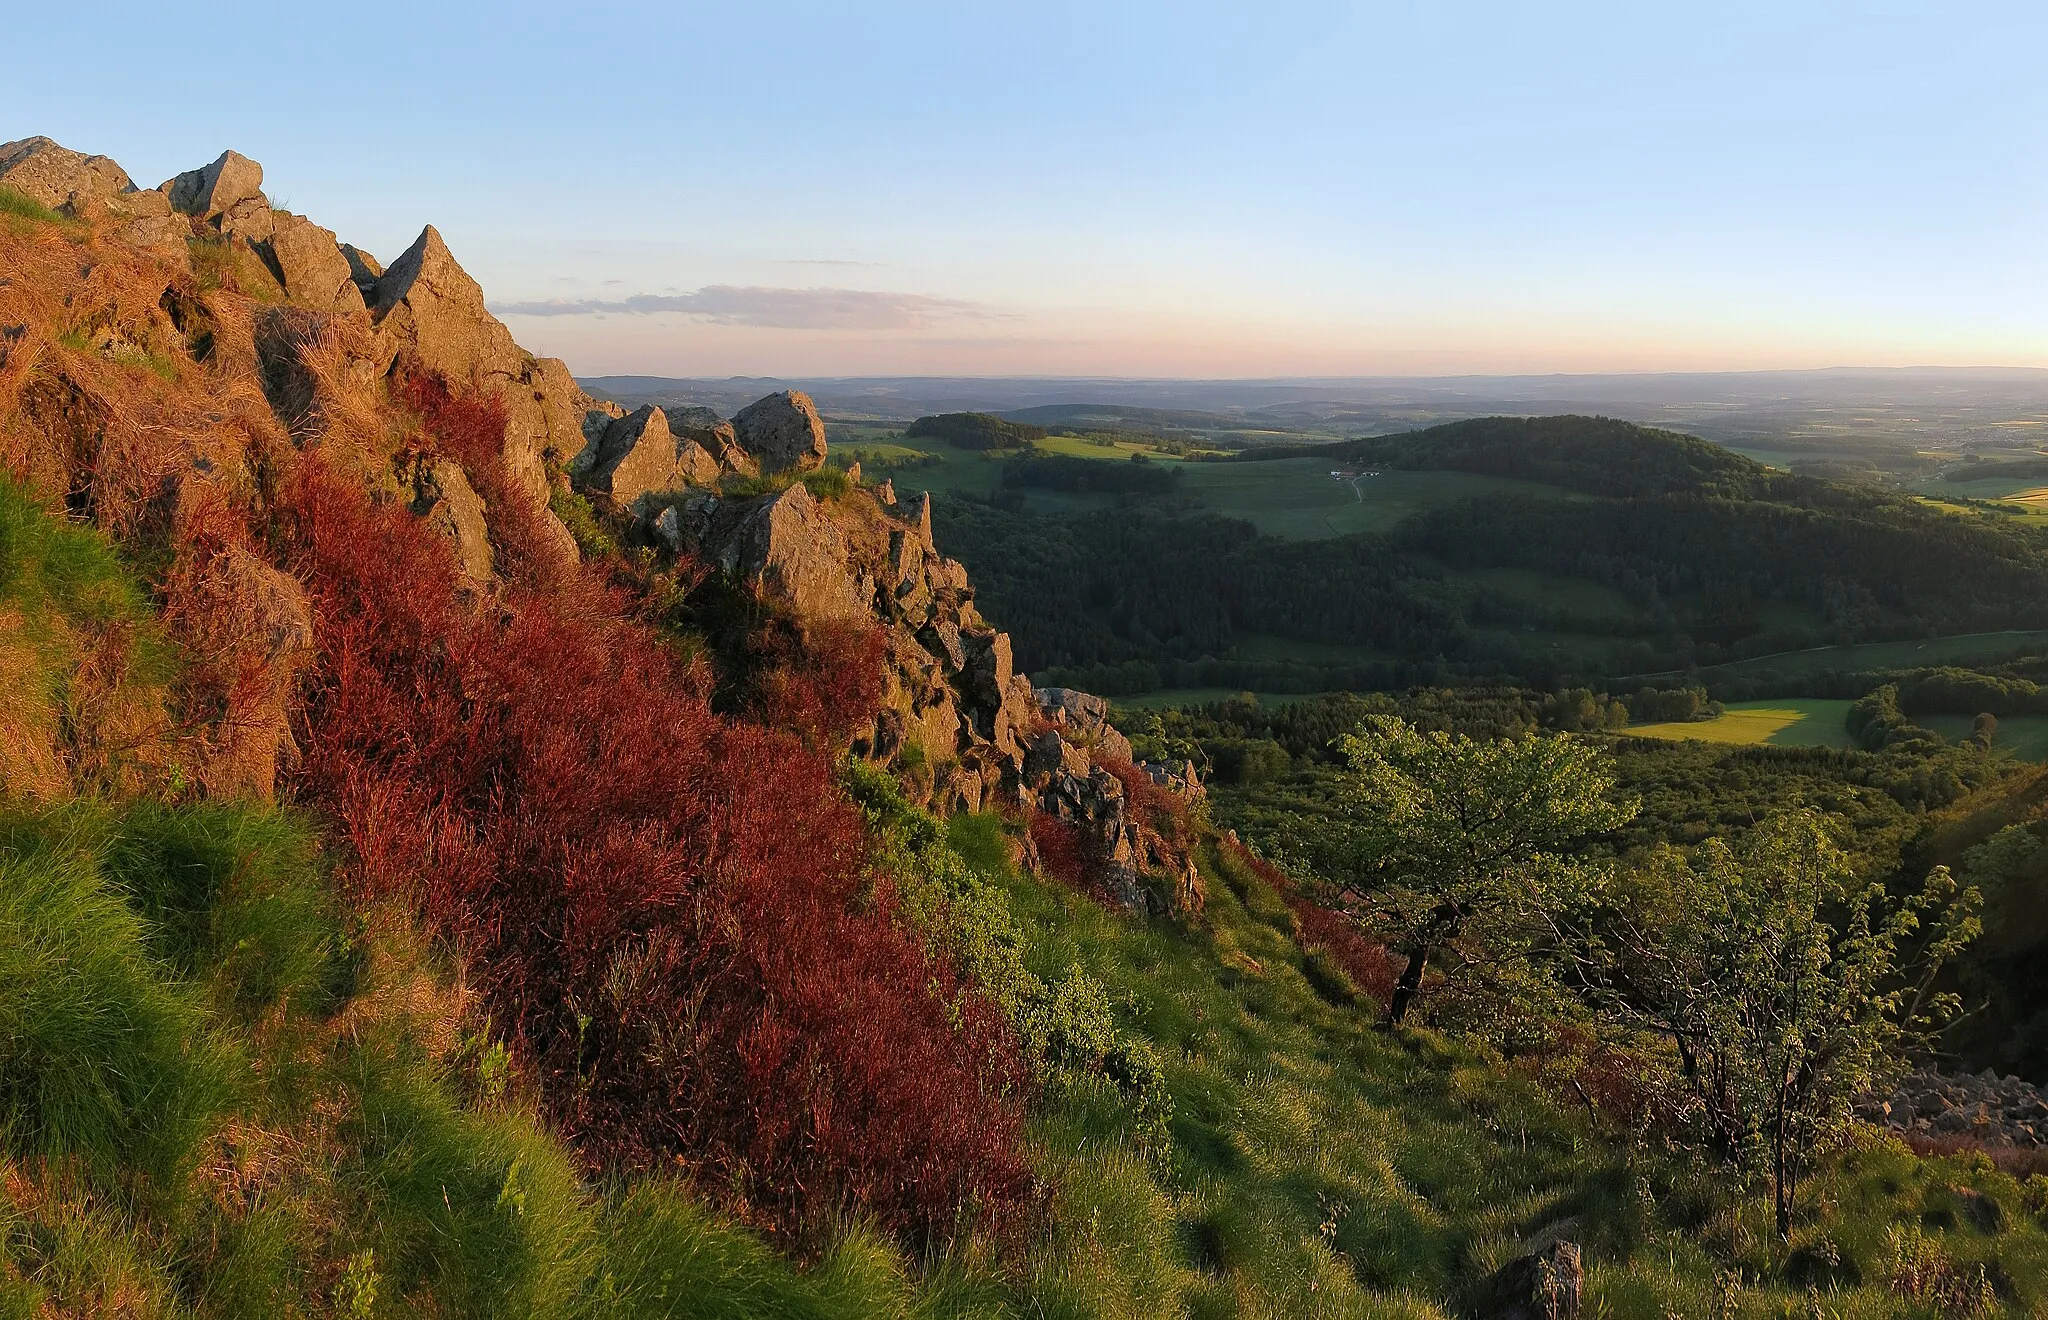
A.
x: 787, y: 309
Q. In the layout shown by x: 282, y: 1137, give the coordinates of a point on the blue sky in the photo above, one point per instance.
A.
x: 1138, y: 189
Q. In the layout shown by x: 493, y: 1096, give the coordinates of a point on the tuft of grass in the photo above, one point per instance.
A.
x: 576, y: 514
x: 104, y: 1059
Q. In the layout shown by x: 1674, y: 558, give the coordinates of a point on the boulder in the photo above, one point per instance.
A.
x: 425, y: 302
x: 720, y: 441
x: 789, y: 548
x: 1543, y: 1285
x: 684, y: 525
x: 1085, y: 717
x: 57, y: 176
x: 637, y: 455
x: 217, y: 188
x: 782, y: 431
x: 443, y: 497
x: 311, y: 266
x: 227, y: 194
x: 363, y: 269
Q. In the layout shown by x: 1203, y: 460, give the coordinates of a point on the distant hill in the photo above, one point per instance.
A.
x: 1595, y: 455
x: 973, y: 430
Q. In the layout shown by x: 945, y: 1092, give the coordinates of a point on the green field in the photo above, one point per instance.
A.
x: 1789, y: 722
x: 2023, y: 737
x: 1295, y: 498
x: 1166, y: 698
x: 1962, y: 649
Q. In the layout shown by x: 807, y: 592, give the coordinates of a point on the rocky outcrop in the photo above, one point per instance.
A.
x: 1982, y: 1108
x: 60, y: 178
x: 783, y: 432
x: 227, y: 198
x: 629, y: 458
x: 428, y: 312
x: 1084, y: 718
x: 956, y: 715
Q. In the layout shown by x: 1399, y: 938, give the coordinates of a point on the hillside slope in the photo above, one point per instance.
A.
x: 467, y: 849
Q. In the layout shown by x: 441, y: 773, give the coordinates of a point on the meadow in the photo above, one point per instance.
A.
x: 1293, y: 498
x: 1786, y: 722
x: 1960, y: 649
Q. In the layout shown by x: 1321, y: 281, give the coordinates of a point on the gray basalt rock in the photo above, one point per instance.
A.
x: 782, y: 432
x: 443, y: 497
x: 1544, y: 1285
x: 637, y: 455
x: 309, y: 261
x: 59, y: 177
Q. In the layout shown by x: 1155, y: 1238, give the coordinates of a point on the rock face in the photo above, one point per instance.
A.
x: 1084, y: 718
x: 443, y: 497
x: 216, y: 189
x: 226, y: 196
x: 1983, y: 1108
x: 782, y: 431
x: 57, y: 177
x: 429, y: 312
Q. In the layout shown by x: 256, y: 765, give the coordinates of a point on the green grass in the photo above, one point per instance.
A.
x: 1296, y: 498
x: 1293, y: 498
x: 2023, y: 737
x: 1961, y: 649
x: 1783, y: 722
x: 1320, y: 1166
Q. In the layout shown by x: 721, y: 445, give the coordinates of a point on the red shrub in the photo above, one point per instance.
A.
x: 1065, y: 852
x: 824, y: 682
x: 661, y: 905
x: 1152, y: 803
x: 1367, y: 962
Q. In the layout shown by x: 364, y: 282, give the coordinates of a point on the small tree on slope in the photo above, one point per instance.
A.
x: 1439, y: 839
x: 1781, y: 1020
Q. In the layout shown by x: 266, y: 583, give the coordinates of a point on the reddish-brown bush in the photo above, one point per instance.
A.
x: 1151, y: 803
x: 661, y: 905
x: 1065, y: 852
x: 824, y: 682
x: 1367, y: 962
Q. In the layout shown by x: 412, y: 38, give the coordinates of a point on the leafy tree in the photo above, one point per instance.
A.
x: 1440, y: 839
x: 1786, y: 993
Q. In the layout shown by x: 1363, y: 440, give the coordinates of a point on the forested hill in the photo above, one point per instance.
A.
x: 1630, y: 550
x: 1595, y: 455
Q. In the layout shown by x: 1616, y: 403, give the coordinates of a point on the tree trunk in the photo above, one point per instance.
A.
x: 1406, y: 988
